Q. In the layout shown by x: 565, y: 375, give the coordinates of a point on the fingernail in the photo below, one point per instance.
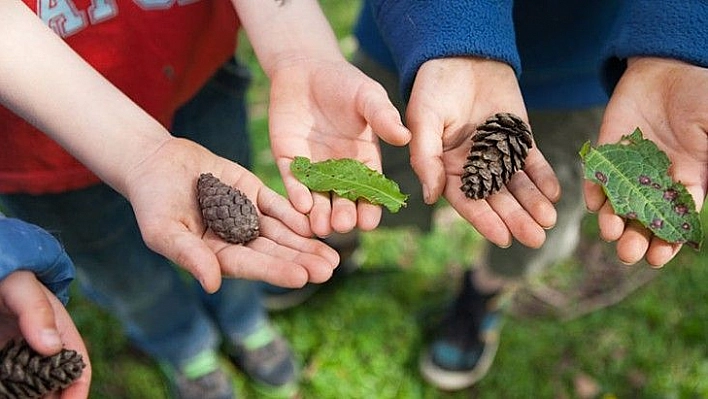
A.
x: 50, y: 337
x: 426, y: 194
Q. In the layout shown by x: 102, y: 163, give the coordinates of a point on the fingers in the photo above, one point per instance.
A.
x: 186, y: 249
x: 594, y: 196
x: 331, y: 213
x: 72, y: 340
x: 344, y: 214
x: 369, y: 216
x: 532, y: 200
x: 382, y: 116
x: 541, y: 174
x: 519, y: 222
x: 634, y: 242
x: 638, y: 242
x: 321, y: 214
x: 45, y: 324
x: 520, y: 210
x: 481, y: 215
x: 328, y: 213
x: 23, y: 295
x: 280, y: 258
x: 661, y: 252
x: 273, y: 204
x: 426, y: 150
x: 274, y: 231
x: 611, y: 226
x: 298, y: 194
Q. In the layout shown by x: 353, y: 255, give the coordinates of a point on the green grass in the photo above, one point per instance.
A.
x: 360, y: 337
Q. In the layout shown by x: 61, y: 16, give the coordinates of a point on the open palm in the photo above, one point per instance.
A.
x: 324, y: 110
x: 450, y: 98
x: 668, y: 101
x: 171, y: 223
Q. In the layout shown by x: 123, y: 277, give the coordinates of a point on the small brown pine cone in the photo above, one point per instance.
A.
x: 227, y: 211
x: 25, y: 374
x: 499, y: 149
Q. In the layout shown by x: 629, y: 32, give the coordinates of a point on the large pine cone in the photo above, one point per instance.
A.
x: 499, y: 149
x: 25, y: 374
x: 227, y: 211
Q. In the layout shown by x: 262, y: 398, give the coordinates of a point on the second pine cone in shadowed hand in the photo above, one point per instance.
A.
x: 226, y: 210
x: 499, y: 149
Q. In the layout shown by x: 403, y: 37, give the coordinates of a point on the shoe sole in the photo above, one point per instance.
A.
x: 449, y: 380
x: 289, y: 299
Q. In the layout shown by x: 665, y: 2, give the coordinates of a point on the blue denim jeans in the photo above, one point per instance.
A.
x: 164, y: 311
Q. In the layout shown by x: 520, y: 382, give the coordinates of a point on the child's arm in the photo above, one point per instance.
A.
x: 45, y: 82
x: 321, y: 106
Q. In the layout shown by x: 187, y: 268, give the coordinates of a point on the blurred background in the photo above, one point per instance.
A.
x: 625, y: 332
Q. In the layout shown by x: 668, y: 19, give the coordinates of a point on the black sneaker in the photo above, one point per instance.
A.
x: 266, y: 358
x: 465, y: 343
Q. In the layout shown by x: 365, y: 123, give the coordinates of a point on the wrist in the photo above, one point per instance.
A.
x: 282, y: 34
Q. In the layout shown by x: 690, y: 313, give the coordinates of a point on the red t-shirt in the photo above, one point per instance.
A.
x: 158, y: 52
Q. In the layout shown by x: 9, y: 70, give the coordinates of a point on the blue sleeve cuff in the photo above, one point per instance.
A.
x: 24, y: 246
x: 668, y: 29
x: 418, y: 31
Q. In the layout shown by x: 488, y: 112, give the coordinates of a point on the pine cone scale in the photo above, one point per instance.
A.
x: 25, y: 374
x: 499, y: 149
x: 227, y: 211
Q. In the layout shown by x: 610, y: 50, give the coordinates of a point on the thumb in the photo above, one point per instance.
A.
x: 24, y: 297
x: 426, y: 150
x: 189, y: 252
x: 383, y: 117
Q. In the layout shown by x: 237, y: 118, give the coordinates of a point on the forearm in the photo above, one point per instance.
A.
x: 46, y: 83
x: 284, y: 31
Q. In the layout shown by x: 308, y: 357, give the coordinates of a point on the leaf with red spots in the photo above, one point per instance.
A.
x: 634, y: 176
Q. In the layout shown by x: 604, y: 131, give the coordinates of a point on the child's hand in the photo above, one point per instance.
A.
x: 28, y: 309
x: 162, y: 190
x: 324, y: 109
x: 449, y: 99
x: 667, y: 100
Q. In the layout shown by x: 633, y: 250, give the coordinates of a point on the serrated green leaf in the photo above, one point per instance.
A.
x: 349, y: 179
x: 634, y: 175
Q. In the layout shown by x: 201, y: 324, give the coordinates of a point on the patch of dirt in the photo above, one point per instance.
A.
x: 592, y: 280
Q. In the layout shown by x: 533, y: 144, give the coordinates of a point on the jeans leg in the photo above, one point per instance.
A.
x: 159, y: 311
x: 217, y: 118
x: 237, y: 308
x: 559, y: 135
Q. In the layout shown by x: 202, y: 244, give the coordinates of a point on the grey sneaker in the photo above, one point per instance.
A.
x: 266, y: 358
x: 201, y: 378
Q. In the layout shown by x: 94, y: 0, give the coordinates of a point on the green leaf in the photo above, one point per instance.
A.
x: 634, y: 175
x: 349, y: 179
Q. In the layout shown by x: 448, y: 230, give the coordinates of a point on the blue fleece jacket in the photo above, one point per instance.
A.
x: 567, y: 54
x: 24, y: 246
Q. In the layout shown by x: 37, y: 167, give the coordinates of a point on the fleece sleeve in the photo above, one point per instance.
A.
x: 675, y: 29
x: 417, y: 31
x: 24, y: 246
